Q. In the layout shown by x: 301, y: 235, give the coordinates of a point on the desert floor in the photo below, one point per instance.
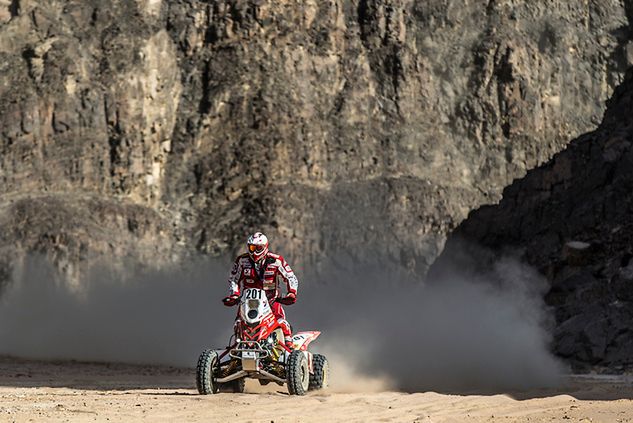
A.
x: 33, y: 391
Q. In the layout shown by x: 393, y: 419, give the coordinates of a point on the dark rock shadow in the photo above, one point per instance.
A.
x: 579, y: 387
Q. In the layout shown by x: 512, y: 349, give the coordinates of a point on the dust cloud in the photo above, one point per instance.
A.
x: 380, y: 330
x: 463, y: 332
x: 165, y: 317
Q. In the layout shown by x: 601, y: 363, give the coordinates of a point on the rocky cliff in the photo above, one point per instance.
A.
x: 571, y: 218
x: 151, y: 129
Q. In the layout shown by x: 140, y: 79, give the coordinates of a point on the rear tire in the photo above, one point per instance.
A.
x: 205, y: 373
x: 321, y: 376
x: 234, y: 386
x: 297, y: 373
x: 237, y: 386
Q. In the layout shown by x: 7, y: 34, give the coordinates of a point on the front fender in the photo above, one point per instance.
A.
x: 301, y: 340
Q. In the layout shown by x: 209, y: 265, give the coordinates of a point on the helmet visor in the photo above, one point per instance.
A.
x: 255, y: 248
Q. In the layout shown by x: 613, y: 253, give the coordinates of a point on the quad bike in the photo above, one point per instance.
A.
x: 257, y: 351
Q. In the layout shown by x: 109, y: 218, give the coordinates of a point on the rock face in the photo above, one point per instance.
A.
x: 571, y: 218
x: 329, y: 124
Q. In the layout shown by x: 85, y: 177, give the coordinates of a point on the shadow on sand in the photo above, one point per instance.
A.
x: 172, y: 381
x: 18, y: 372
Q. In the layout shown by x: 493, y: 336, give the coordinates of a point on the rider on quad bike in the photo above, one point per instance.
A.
x: 262, y: 269
x: 262, y: 347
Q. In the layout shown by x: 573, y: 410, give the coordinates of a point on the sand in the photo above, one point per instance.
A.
x: 34, y: 391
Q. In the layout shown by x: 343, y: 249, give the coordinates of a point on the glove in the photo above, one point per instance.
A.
x: 288, y: 299
x: 231, y: 300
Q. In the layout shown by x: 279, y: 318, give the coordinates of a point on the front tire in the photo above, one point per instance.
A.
x: 205, y: 373
x: 321, y: 376
x: 297, y: 373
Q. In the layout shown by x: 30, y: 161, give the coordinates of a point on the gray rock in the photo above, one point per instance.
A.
x: 591, y: 285
x: 577, y: 253
x: 312, y: 121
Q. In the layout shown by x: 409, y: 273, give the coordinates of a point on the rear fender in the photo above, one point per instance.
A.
x: 301, y: 340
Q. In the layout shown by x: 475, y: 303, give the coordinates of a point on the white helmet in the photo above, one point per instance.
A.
x: 257, y: 246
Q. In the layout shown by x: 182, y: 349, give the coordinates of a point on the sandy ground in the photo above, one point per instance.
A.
x: 33, y: 391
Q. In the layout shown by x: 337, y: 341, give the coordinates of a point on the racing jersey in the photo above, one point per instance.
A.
x: 274, y: 269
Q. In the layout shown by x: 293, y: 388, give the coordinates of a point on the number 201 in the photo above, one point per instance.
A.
x: 253, y: 294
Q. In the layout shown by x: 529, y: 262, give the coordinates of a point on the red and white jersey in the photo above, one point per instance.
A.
x: 245, y: 274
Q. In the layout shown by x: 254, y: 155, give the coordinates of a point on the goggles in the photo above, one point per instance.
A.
x: 255, y: 248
